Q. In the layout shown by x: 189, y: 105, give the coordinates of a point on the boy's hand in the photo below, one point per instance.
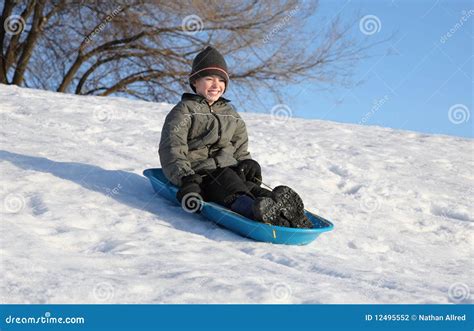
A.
x: 249, y: 170
x: 190, y: 184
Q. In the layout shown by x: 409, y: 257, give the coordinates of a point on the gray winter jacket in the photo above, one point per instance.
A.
x: 197, y: 136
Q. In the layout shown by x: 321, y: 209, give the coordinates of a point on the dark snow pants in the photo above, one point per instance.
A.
x: 224, y: 185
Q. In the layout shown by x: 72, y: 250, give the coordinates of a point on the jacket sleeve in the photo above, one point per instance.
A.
x: 173, y: 148
x: 240, y: 141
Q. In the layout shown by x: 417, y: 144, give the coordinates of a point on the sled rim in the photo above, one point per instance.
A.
x: 328, y: 225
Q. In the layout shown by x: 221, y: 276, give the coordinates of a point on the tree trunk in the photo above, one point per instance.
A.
x: 7, y: 10
x: 29, y: 45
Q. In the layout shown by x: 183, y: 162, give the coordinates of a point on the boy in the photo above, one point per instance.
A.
x: 204, y: 151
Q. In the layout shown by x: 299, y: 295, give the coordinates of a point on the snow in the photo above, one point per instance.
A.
x: 80, y: 224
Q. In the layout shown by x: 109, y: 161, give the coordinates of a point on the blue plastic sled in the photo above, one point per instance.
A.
x: 240, y: 224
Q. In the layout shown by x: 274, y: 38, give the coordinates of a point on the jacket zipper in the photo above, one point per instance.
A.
x: 218, y: 129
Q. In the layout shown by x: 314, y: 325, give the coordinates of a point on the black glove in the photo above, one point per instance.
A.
x: 249, y: 170
x: 190, y: 184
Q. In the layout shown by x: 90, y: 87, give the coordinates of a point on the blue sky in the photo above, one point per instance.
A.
x: 427, y: 73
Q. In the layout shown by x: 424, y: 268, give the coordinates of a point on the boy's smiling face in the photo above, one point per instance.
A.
x: 210, y: 87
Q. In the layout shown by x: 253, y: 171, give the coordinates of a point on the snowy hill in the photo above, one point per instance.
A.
x: 80, y: 224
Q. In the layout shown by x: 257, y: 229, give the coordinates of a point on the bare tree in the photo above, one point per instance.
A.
x: 144, y: 49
